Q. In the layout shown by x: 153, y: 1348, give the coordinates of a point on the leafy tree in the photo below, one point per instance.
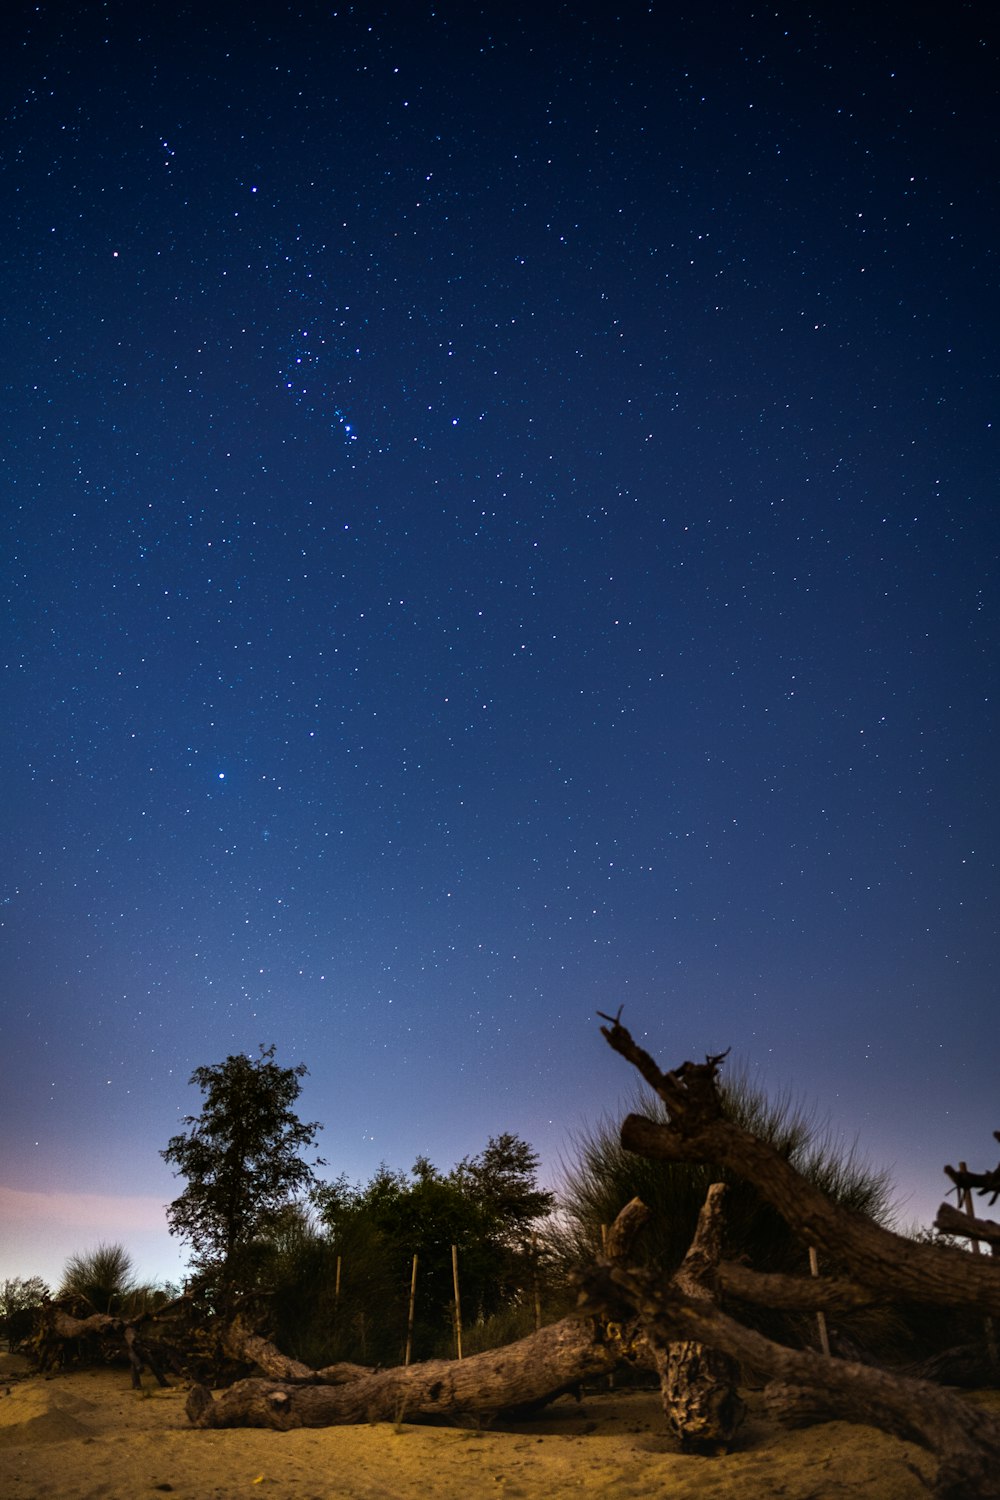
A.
x: 241, y: 1158
x: 19, y: 1297
x: 103, y: 1279
x: 502, y: 1180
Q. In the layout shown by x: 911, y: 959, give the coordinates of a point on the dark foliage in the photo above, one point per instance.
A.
x: 242, y: 1161
x: 486, y: 1207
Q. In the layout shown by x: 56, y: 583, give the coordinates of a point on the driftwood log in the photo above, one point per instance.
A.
x: 60, y: 1329
x: 881, y: 1263
x: 526, y: 1374
x: 964, y: 1439
x: 980, y: 1182
x: 951, y: 1220
x: 529, y: 1373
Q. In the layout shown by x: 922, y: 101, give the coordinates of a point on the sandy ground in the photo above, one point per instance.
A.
x: 87, y: 1435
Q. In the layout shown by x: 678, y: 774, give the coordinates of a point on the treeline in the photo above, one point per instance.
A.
x: 341, y: 1278
x: 327, y: 1268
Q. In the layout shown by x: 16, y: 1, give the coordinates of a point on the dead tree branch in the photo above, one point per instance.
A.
x: 951, y: 1220
x: 964, y: 1439
x: 880, y: 1260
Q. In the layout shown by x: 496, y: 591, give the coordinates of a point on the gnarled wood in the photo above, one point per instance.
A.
x: 531, y: 1371
x: 980, y: 1182
x: 793, y: 1293
x: 885, y: 1262
x: 698, y: 1381
x: 964, y: 1439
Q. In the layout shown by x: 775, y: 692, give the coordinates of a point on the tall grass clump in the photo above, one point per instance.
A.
x: 103, y: 1279
x: 603, y: 1177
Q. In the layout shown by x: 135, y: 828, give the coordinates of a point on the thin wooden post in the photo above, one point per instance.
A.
x: 824, y: 1337
x: 965, y: 1201
x: 534, y: 1278
x: 336, y: 1283
x: 409, y: 1316
x: 458, y: 1304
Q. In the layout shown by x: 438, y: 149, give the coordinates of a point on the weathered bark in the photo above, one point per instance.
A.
x: 533, y: 1370
x: 60, y: 1328
x: 529, y: 1373
x: 242, y: 1344
x: 793, y: 1293
x: 699, y: 1382
x: 895, y: 1267
x: 951, y: 1220
x: 964, y: 1439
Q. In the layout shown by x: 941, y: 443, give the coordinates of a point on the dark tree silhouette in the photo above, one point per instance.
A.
x: 241, y: 1158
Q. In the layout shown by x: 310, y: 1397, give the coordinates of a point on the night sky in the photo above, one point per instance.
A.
x: 499, y: 521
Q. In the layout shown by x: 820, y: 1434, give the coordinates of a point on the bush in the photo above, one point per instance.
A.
x: 102, y: 1279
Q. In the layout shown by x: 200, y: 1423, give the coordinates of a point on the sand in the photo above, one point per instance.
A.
x: 86, y: 1435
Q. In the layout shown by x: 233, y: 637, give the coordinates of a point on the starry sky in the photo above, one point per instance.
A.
x: 499, y: 521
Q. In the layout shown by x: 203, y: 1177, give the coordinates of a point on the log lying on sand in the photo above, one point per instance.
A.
x: 951, y: 1220
x: 965, y: 1439
x: 532, y: 1371
x: 529, y: 1373
x: 60, y: 1328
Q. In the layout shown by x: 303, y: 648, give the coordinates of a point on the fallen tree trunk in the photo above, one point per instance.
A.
x: 534, y: 1370
x: 964, y: 1439
x: 242, y: 1344
x: 60, y: 1329
x: 879, y: 1260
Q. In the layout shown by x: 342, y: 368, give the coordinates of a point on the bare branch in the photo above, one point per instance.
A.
x: 885, y: 1262
x: 794, y: 1293
x: 981, y: 1182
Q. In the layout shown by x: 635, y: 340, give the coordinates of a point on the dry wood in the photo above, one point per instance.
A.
x: 529, y: 1373
x: 532, y: 1371
x: 983, y: 1182
x: 951, y: 1220
x: 965, y: 1439
x: 698, y: 1381
x: 793, y: 1293
x: 878, y: 1259
x: 59, y: 1328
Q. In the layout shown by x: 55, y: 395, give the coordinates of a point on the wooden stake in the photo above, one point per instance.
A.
x: 458, y: 1304
x: 824, y: 1337
x: 965, y: 1202
x: 534, y: 1278
x: 409, y: 1317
